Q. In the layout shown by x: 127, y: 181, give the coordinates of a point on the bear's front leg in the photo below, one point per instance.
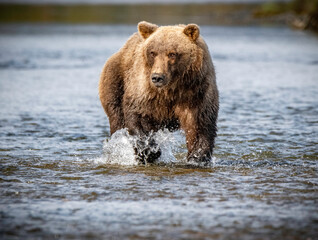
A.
x: 146, y: 149
x: 199, y: 125
x: 199, y: 150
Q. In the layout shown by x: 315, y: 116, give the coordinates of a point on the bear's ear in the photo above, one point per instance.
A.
x: 192, y: 31
x: 146, y: 29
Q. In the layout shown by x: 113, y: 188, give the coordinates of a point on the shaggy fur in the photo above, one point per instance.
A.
x: 163, y: 77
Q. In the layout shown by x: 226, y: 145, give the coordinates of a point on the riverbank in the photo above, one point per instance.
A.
x: 301, y: 14
x: 248, y: 13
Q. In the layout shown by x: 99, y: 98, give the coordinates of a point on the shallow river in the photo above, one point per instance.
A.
x: 63, y: 177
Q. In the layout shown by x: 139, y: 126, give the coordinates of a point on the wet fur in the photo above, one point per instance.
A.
x: 189, y: 101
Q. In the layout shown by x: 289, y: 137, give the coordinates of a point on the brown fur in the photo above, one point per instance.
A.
x: 186, y: 95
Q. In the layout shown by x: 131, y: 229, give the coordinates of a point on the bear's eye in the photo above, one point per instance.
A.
x: 172, y: 55
x: 153, y: 54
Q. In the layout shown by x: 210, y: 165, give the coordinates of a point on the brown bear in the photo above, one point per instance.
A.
x: 163, y: 77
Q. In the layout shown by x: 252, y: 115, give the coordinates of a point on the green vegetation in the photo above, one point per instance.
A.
x: 203, y: 14
x: 301, y: 14
x: 305, y: 6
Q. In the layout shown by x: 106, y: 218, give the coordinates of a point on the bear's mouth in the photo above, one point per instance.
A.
x: 159, y: 84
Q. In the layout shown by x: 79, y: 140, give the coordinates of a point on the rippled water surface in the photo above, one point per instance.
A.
x: 63, y: 177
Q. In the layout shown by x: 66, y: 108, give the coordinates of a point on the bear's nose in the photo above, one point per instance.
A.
x: 157, y: 77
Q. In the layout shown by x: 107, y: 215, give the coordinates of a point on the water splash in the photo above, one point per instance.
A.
x: 172, y: 145
x: 119, y: 149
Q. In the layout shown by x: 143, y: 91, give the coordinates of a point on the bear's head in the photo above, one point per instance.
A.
x: 170, y: 52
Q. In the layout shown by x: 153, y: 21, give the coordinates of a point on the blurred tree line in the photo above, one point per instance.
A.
x: 304, y: 13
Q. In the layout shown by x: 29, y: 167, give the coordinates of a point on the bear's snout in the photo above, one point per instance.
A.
x: 158, y: 79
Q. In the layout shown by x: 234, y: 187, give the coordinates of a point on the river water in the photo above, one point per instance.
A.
x: 63, y: 177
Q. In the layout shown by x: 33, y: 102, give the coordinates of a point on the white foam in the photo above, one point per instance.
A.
x: 119, y: 149
x: 172, y: 145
